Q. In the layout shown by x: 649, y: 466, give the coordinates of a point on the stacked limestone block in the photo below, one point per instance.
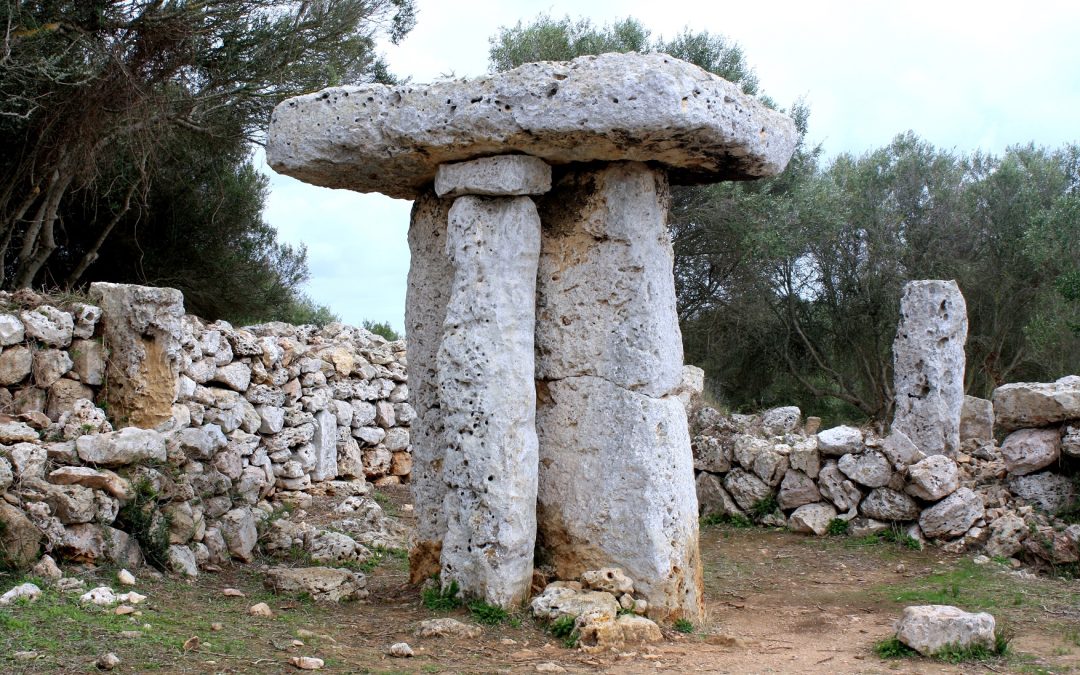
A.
x: 1041, y: 456
x: 772, y: 470
x: 616, y: 128
x: 231, y: 421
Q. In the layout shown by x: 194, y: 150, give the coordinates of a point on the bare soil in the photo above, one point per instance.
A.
x: 776, y: 603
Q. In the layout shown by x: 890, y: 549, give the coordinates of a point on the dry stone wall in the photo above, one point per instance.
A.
x: 201, y: 427
x: 1017, y: 499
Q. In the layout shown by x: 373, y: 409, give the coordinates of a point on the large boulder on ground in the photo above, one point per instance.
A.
x: 323, y: 584
x: 642, y: 107
x: 1028, y: 450
x: 1037, y: 404
x: 928, y: 629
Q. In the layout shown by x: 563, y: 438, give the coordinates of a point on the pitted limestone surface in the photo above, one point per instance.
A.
x: 612, y: 107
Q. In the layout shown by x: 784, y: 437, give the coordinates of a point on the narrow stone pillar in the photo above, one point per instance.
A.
x: 616, y: 470
x: 141, y: 329
x: 430, y: 276
x: 928, y: 365
x: 486, y: 379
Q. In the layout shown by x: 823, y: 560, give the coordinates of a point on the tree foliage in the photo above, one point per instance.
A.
x: 132, y: 121
x: 789, y: 288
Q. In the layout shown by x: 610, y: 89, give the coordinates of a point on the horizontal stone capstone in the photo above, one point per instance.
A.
x: 611, y: 107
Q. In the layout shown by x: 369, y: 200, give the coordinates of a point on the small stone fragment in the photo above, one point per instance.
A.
x: 108, y: 661
x: 123, y: 610
x: 447, y: 628
x: 101, y: 596
x: 233, y: 593
x: 307, y: 662
x: 192, y: 643
x: 46, y: 568
x: 549, y: 667
x: 27, y: 591
x: 126, y: 578
x: 400, y: 650
x: 261, y: 609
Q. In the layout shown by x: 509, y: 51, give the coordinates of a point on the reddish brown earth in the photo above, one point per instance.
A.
x: 776, y: 603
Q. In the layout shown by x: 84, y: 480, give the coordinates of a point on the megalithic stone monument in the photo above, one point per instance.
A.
x: 928, y: 365
x: 544, y: 346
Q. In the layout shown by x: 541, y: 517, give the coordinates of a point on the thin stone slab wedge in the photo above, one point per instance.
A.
x: 611, y: 107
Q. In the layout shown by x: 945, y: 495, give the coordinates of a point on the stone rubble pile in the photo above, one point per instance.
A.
x: 606, y: 612
x: 203, y: 430
x: 774, y: 469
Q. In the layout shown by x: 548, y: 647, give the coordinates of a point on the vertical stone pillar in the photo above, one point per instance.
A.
x: 928, y: 365
x: 616, y: 471
x: 430, y: 276
x: 141, y: 329
x: 486, y: 376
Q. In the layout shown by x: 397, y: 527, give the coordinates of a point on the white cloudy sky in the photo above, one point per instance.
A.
x: 962, y: 74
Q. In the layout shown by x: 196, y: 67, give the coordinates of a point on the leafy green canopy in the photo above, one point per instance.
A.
x: 125, y: 130
x: 789, y: 288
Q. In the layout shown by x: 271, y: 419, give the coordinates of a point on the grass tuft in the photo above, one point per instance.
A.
x: 838, y: 527
x: 491, y: 615
x: 892, y: 648
x: 683, y: 626
x: 565, y: 628
x: 442, y: 599
x: 734, y: 520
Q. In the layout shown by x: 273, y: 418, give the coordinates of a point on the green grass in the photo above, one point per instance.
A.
x: 838, y: 527
x: 763, y: 507
x: 683, y: 626
x: 972, y: 586
x: 892, y: 648
x: 565, y: 629
x: 388, y: 507
x: 491, y: 615
x: 734, y: 520
x: 441, y: 599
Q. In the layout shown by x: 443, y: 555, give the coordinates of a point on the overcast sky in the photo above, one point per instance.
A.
x: 963, y: 75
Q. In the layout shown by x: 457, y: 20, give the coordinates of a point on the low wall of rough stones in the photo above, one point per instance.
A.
x: 251, y: 415
x: 1013, y: 498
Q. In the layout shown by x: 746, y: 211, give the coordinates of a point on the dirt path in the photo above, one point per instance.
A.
x: 776, y: 603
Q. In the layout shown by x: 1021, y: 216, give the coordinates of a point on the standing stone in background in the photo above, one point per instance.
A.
x: 928, y: 358
x: 325, y: 443
x: 609, y: 361
x: 430, y: 276
x: 141, y: 327
x: 488, y: 397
